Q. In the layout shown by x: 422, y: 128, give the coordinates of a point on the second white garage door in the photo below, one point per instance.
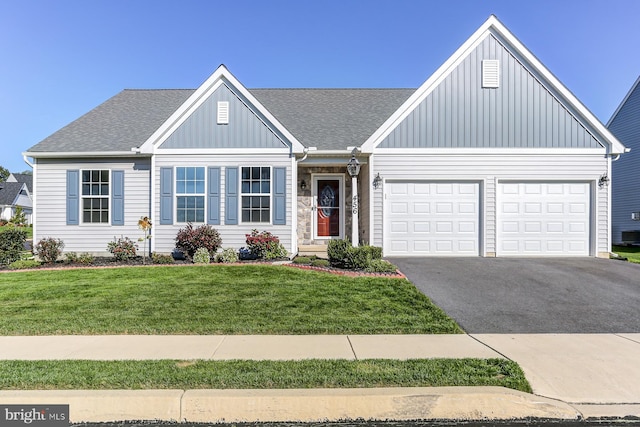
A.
x: 432, y: 218
x: 543, y: 218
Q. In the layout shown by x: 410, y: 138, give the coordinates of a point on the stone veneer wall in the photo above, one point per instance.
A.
x: 305, y: 202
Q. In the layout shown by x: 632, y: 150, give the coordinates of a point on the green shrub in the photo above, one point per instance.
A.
x: 381, y: 266
x: 201, y: 256
x: 227, y: 255
x: 161, y: 259
x: 49, y: 249
x: 71, y: 258
x: 18, y: 218
x: 23, y: 264
x: 84, y: 258
x: 376, y: 252
x: 12, y: 242
x: 302, y: 260
x: 190, y: 239
x: 337, y: 251
x: 123, y: 249
x: 358, y: 258
x: 265, y: 245
x: 320, y: 263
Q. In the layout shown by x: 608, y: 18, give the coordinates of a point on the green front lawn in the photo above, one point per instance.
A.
x: 241, y: 374
x: 215, y: 299
x: 632, y: 253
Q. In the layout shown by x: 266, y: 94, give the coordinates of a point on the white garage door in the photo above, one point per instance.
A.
x: 540, y: 219
x: 432, y: 218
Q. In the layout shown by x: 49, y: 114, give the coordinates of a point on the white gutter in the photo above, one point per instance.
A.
x: 25, y: 158
x: 76, y: 154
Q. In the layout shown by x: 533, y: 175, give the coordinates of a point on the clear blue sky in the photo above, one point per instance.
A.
x: 59, y: 59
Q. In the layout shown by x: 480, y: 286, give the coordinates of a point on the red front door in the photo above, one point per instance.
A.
x: 328, y: 208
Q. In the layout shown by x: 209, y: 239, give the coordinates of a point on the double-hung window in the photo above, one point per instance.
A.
x: 190, y: 190
x: 95, y: 196
x: 256, y: 194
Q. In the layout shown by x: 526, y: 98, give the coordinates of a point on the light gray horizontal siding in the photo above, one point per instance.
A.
x: 488, y: 169
x: 521, y: 112
x: 50, y: 211
x: 625, y: 171
x: 244, y: 130
x: 233, y: 236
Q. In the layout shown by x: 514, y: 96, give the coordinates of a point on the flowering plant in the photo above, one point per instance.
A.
x: 265, y: 245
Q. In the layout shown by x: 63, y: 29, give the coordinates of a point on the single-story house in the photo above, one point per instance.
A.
x: 625, y: 189
x: 491, y: 156
x: 16, y: 192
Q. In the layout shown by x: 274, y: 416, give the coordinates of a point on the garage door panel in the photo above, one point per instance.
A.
x: 546, y: 218
x: 443, y: 217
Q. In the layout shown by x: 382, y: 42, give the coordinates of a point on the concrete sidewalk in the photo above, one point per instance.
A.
x: 572, y: 375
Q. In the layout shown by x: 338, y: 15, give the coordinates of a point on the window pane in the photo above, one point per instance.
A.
x: 191, y: 216
x: 95, y: 203
x: 105, y: 217
x: 255, y: 216
x: 246, y: 202
x: 265, y: 186
x: 104, y: 203
x: 265, y: 202
x: 95, y: 216
x: 265, y: 216
x: 191, y: 174
x: 181, y: 203
x: 255, y: 202
x: 180, y: 216
x: 246, y: 186
x: 200, y: 202
x: 255, y: 173
x: 191, y: 203
x: 86, y: 176
x: 181, y: 187
x: 266, y: 173
x: 104, y: 189
x: 200, y: 216
x: 246, y: 215
x: 104, y: 175
x: 200, y: 187
x: 180, y: 174
x: 255, y: 187
x: 246, y: 173
x: 191, y: 187
x: 86, y: 189
x: 86, y: 216
x: 86, y: 203
x: 95, y: 176
x: 200, y: 174
x: 95, y: 189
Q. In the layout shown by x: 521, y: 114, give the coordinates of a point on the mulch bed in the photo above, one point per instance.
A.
x: 110, y: 262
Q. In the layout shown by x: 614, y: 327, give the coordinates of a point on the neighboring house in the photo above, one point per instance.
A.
x: 16, y: 191
x: 625, y: 191
x: 491, y: 156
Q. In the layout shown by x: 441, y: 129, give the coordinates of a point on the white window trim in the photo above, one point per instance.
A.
x: 109, y: 200
x: 242, y: 194
x: 176, y: 195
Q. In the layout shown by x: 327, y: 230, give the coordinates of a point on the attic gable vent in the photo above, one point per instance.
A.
x: 223, y: 112
x: 490, y: 73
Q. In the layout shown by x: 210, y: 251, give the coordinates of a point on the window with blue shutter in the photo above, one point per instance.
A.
x: 117, y: 198
x: 73, y: 197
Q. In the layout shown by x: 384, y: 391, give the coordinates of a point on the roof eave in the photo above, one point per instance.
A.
x: 78, y: 154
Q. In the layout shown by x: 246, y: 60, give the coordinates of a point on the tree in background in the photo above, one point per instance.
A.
x: 4, y: 174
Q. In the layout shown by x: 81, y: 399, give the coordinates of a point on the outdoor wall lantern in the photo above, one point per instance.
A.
x: 377, y: 181
x: 303, y: 185
x: 353, y: 167
x: 604, y: 180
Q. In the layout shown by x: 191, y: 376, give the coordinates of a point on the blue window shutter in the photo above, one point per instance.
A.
x: 280, y: 196
x: 231, y: 199
x: 73, y: 197
x: 213, y: 215
x: 117, y: 198
x: 166, y: 196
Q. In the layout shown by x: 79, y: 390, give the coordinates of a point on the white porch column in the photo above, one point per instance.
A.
x: 354, y: 211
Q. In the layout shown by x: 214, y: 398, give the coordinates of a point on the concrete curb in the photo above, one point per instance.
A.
x: 303, y: 405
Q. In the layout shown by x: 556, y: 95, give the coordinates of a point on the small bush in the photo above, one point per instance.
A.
x: 358, y: 258
x: 320, y: 263
x: 123, y: 249
x: 265, y: 245
x: 161, y: 259
x: 337, y: 251
x: 227, y: 255
x: 302, y: 260
x: 190, y: 239
x: 381, y: 266
x: 49, y: 249
x: 376, y: 252
x: 202, y: 256
x: 18, y: 218
x: 12, y: 242
x: 84, y: 258
x: 71, y: 257
x: 23, y: 264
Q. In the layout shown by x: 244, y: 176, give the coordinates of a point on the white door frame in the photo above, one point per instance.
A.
x: 314, y: 197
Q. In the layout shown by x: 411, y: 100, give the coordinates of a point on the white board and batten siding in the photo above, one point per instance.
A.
x: 50, y: 214
x: 486, y: 174
x: 233, y: 236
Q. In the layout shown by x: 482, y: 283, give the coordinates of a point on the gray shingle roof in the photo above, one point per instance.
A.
x: 26, y: 178
x: 8, y: 192
x: 118, y: 124
x: 328, y: 119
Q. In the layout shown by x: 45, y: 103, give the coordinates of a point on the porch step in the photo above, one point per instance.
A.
x: 310, y: 250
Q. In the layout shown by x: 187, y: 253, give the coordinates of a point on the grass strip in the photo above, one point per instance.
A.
x: 213, y: 299
x: 243, y: 374
x: 631, y: 253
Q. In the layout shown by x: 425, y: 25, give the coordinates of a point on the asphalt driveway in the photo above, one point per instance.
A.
x: 532, y: 295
